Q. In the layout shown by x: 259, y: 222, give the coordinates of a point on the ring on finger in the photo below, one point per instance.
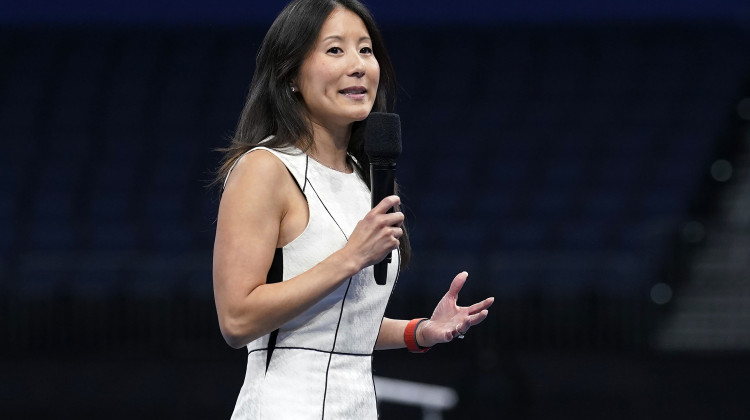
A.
x: 460, y: 334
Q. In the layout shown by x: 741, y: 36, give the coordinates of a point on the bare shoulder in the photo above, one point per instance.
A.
x: 258, y: 166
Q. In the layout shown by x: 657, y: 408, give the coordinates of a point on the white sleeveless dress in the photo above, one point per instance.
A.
x: 319, y: 365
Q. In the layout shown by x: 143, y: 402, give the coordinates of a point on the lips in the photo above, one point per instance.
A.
x: 354, y: 90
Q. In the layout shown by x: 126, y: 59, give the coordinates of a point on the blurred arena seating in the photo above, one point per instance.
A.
x: 557, y: 163
x: 551, y: 162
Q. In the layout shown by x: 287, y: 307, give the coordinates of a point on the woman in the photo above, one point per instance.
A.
x: 296, y: 238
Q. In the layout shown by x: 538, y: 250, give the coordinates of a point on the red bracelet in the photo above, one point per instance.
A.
x: 410, y: 336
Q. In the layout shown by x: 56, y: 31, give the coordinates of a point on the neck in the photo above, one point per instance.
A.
x: 330, y: 146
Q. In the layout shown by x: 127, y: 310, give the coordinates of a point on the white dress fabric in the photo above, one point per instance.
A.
x: 319, y: 365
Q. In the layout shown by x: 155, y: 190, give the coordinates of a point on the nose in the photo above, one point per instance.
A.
x: 357, y: 66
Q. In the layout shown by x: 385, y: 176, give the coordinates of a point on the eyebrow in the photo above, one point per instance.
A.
x: 340, y: 38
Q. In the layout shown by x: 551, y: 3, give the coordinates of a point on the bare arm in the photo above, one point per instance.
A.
x: 391, y: 334
x: 255, y: 217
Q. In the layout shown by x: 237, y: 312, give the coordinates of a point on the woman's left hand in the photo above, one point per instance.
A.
x: 449, y: 320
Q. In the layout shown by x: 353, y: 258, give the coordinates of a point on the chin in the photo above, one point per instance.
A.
x: 362, y: 118
x: 359, y: 116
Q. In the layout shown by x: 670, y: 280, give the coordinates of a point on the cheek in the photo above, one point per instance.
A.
x: 375, y: 72
x: 327, y: 69
x: 318, y: 75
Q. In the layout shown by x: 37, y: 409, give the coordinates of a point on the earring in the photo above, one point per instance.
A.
x: 294, y: 89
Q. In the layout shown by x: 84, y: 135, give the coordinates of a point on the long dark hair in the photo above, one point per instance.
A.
x: 272, y: 108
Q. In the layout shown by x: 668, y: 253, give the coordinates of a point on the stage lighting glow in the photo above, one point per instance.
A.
x: 721, y: 170
x: 661, y: 293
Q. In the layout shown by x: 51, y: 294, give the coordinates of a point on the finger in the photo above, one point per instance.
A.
x: 477, y: 318
x: 397, y: 232
x: 386, y: 204
x: 393, y: 219
x: 463, y: 327
x: 479, y: 306
x: 470, y: 321
x: 457, y: 284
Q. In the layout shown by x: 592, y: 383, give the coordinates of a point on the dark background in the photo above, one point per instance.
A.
x: 261, y: 14
x: 585, y: 161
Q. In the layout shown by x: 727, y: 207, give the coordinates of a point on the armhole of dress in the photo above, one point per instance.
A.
x: 307, y: 163
x: 275, y: 274
x: 301, y: 189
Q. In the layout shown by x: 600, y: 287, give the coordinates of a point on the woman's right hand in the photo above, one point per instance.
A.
x: 376, y: 234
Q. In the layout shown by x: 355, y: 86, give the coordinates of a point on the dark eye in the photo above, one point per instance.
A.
x: 366, y: 50
x: 335, y: 50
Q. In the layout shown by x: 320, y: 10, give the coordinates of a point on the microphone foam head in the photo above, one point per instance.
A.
x: 382, y: 133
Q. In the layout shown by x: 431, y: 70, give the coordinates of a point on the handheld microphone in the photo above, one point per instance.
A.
x: 382, y: 138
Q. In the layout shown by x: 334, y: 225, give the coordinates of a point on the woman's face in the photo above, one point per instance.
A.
x: 339, y: 78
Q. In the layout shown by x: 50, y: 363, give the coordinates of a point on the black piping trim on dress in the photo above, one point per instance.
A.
x: 338, y: 353
x: 343, y: 300
x: 297, y: 183
x: 328, y: 211
x: 335, y: 337
x: 307, y: 163
x: 398, y: 274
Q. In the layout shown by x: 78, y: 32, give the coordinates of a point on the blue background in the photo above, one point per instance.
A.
x: 385, y: 11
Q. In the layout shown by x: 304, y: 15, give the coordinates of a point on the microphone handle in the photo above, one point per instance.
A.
x: 382, y: 185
